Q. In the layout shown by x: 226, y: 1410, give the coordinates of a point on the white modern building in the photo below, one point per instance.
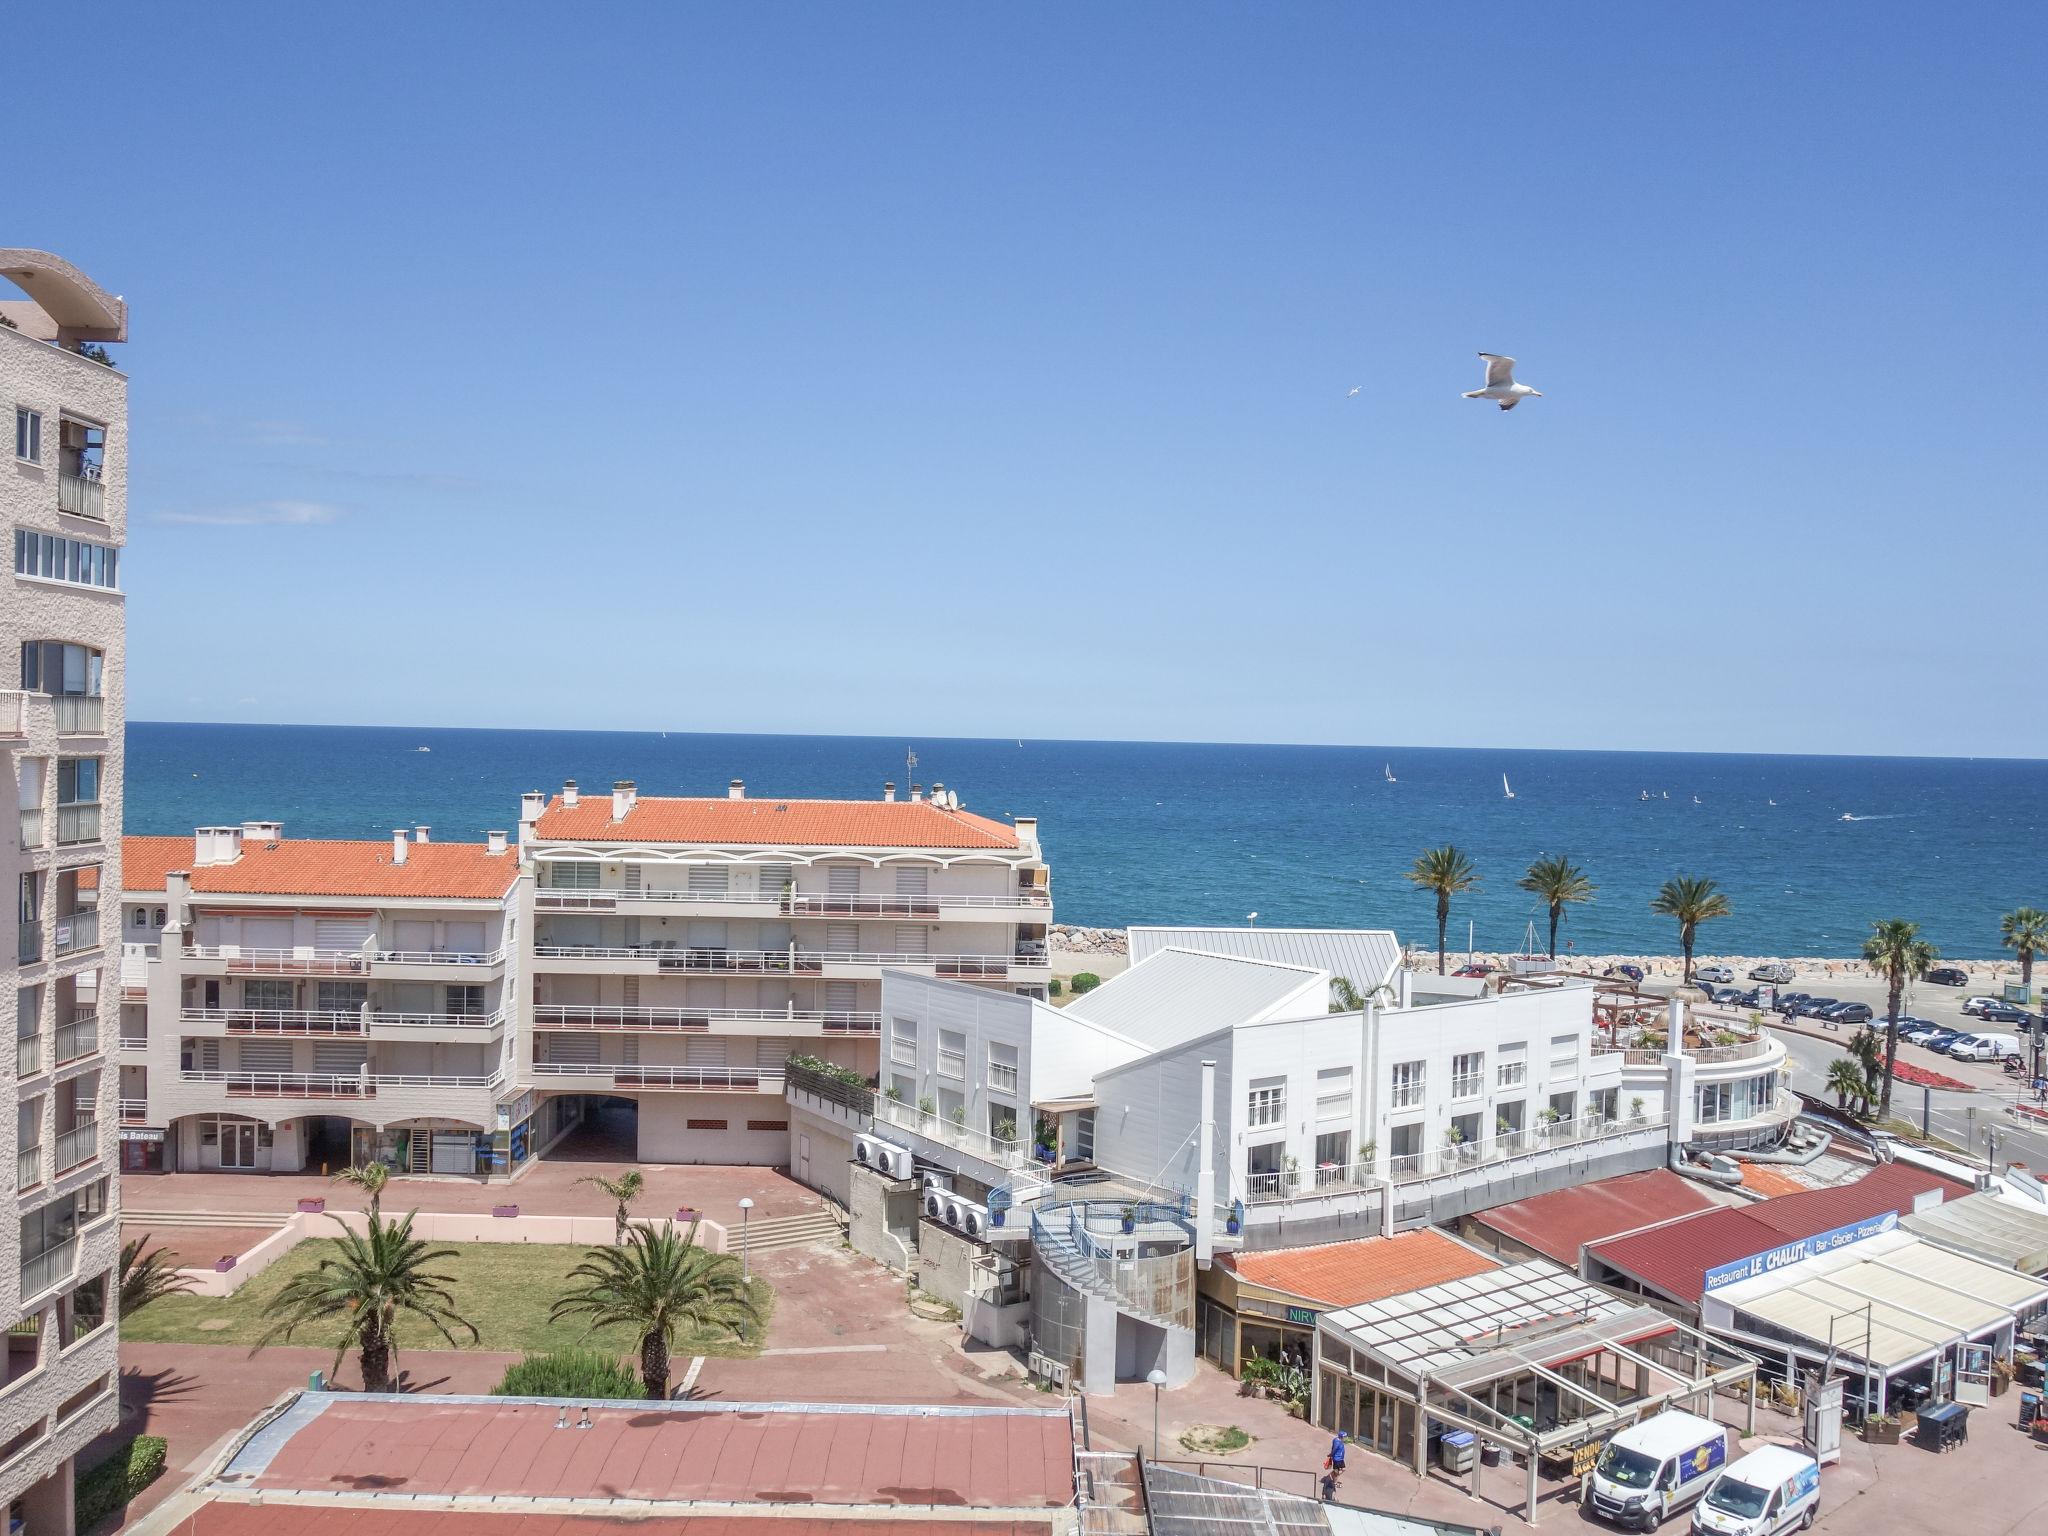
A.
x: 62, y: 629
x: 682, y: 950
x: 293, y: 1004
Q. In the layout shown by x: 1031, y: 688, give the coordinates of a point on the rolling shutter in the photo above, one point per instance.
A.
x: 842, y: 938
x: 709, y: 879
x: 341, y: 1058
x: 581, y: 1049
x: 912, y: 880
x: 912, y: 939
x: 705, y: 1051
x: 264, y: 1056
x: 842, y: 879
x: 349, y: 933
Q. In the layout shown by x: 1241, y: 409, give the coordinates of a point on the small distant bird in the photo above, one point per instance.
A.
x: 1500, y: 383
x: 1354, y: 389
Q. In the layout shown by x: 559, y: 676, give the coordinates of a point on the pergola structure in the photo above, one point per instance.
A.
x: 1528, y: 1358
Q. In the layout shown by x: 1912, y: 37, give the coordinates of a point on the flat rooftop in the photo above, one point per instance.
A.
x: 221, y: 1517
x: 854, y: 1455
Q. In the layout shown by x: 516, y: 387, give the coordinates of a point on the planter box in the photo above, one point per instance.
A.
x: 684, y: 1215
x: 507, y: 1211
x: 314, y: 1206
x: 224, y: 1263
x: 1881, y: 1434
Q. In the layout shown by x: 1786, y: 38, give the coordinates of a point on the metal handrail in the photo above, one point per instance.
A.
x: 78, y: 1146
x: 797, y: 904
x: 1524, y: 1143
x: 1014, y: 1153
x: 337, y: 1084
x: 677, y: 957
x: 133, y: 1111
x: 654, y: 1019
x: 341, y: 961
x: 632, y: 1075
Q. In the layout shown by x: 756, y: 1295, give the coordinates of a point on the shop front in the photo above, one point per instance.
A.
x: 142, y: 1149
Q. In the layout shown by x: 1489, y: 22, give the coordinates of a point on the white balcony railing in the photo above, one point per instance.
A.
x: 329, y: 1085
x: 28, y: 1167
x: 77, y: 931
x: 687, y: 1078
x: 28, y: 942
x: 134, y: 1111
x: 1551, y: 1137
x: 82, y: 496
x: 601, y: 1016
x: 1324, y: 1180
x: 278, y: 1021
x: 309, y: 961
x: 778, y: 962
x: 787, y: 904
x: 80, y: 715
x: 48, y: 1270
x: 28, y: 1055
x: 13, y: 714
x: 32, y: 827
x: 1012, y: 1153
x: 78, y: 1039
x: 382, y: 1019
x: 78, y: 823
x: 78, y: 1146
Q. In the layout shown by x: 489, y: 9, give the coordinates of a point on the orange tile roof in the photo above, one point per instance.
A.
x: 308, y: 866
x: 1768, y: 1181
x: 774, y: 824
x: 1369, y: 1269
x: 1557, y: 1224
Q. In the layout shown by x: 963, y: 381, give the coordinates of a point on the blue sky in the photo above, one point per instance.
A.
x: 983, y: 371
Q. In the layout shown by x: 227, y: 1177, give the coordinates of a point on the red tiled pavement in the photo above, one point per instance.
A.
x: 228, y: 1519
x: 1003, y: 1458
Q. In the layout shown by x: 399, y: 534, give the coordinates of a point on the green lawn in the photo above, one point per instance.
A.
x: 505, y: 1289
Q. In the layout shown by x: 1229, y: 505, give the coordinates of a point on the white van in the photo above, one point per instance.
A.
x: 1652, y: 1470
x: 1772, y: 1489
x: 1984, y: 1047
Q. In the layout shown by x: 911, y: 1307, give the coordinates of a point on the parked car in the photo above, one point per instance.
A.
x: 1729, y: 995
x: 1472, y: 970
x: 1972, y: 1006
x: 1947, y: 976
x: 1632, y: 972
x: 1788, y: 1002
x: 1914, y: 1031
x: 1814, y: 1007
x: 1984, y: 1047
x: 1713, y: 973
x: 2003, y: 1013
x: 1777, y: 973
x: 1849, y: 1013
x: 1941, y: 1039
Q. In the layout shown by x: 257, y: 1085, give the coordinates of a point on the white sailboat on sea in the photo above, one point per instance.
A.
x: 1390, y: 775
x: 1504, y: 787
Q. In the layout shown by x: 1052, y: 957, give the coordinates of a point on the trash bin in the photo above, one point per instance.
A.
x: 1489, y: 1455
x: 1456, y: 1451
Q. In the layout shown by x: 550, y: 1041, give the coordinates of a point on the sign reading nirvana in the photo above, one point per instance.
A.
x: 1821, y: 1242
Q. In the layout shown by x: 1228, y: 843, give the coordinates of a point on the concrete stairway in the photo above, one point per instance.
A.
x: 766, y: 1234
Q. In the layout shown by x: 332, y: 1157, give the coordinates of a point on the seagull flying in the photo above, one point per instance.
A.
x: 1500, y: 383
x: 1354, y: 389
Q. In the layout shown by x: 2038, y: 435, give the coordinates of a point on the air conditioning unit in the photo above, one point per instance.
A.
x: 935, y: 1204
x: 885, y: 1157
x: 970, y: 1218
x: 937, y: 1178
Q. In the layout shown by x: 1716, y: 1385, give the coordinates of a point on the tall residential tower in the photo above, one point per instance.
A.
x: 64, y: 499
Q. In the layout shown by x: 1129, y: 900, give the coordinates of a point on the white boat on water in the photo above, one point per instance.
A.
x: 1504, y: 787
x: 1390, y: 775
x: 1646, y: 794
x: 1695, y: 799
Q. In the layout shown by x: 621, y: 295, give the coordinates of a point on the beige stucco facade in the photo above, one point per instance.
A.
x: 63, y: 498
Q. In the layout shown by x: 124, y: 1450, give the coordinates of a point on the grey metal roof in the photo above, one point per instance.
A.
x: 1441, y: 1325
x: 1366, y: 957
x: 1178, y: 995
x: 1185, y: 1504
x: 1987, y: 1226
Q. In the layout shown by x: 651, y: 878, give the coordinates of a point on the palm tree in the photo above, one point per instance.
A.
x: 1693, y: 900
x: 1344, y: 996
x: 1558, y: 882
x: 1896, y: 951
x: 1447, y: 872
x: 623, y: 1191
x: 369, y: 1280
x: 660, y: 1284
x: 144, y: 1277
x: 370, y: 1178
x: 1847, y: 1082
x: 2025, y: 932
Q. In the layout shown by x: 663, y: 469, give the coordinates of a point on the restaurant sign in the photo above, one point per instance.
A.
x: 1805, y: 1248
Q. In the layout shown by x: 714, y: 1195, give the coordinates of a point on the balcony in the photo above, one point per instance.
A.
x: 78, y: 823
x: 28, y: 942
x: 78, y: 1146
x: 77, y: 931
x: 1326, y: 1180
x: 32, y: 828
x: 598, y: 1016
x: 325, y: 1023
x: 48, y: 1270
x: 28, y: 1168
x: 329, y: 1085
x: 239, y: 959
x: 80, y: 715
x: 13, y: 714
x: 956, y: 1134
x: 683, y: 1079
x: 78, y: 1039
x: 1550, y: 1137
x: 28, y: 1055
x: 930, y: 906
x: 83, y: 494
x: 134, y: 1111
x: 380, y: 1019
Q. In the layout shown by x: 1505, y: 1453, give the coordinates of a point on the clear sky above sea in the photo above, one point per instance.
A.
x: 982, y: 371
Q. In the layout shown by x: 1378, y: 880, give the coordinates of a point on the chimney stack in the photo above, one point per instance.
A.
x: 917, y: 794
x: 215, y: 845
x: 398, y: 845
x: 889, y: 793
x: 531, y: 805
x: 177, y: 899
x: 1027, y: 833
x: 624, y: 793
x: 736, y: 790
x: 939, y: 795
x: 568, y: 792
x: 496, y: 844
x: 419, y: 833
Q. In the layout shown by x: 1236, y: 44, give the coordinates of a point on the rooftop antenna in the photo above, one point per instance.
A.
x: 909, y: 761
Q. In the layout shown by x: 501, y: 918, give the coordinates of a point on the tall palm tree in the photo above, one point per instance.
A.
x: 622, y: 1191
x: 1693, y: 900
x: 1344, y: 997
x: 365, y: 1285
x: 1447, y: 872
x: 660, y: 1284
x: 1896, y: 951
x: 145, y: 1277
x: 1558, y: 882
x: 370, y: 1178
x: 2025, y: 932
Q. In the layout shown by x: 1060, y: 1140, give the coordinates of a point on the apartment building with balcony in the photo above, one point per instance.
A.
x: 62, y: 628
x: 292, y: 1004
x: 681, y: 950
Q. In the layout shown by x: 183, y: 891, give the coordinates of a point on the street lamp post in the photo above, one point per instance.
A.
x: 746, y: 1250
x: 1158, y: 1379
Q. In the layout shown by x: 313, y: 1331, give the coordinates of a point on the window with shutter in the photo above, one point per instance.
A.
x: 913, y: 939
x: 263, y: 1056
x: 709, y: 879
x: 912, y: 880
x: 842, y: 938
x: 577, y: 1049
x: 842, y: 879
x: 342, y: 1058
x: 705, y: 1051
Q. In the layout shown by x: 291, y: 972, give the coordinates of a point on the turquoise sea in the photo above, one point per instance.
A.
x: 1161, y: 832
